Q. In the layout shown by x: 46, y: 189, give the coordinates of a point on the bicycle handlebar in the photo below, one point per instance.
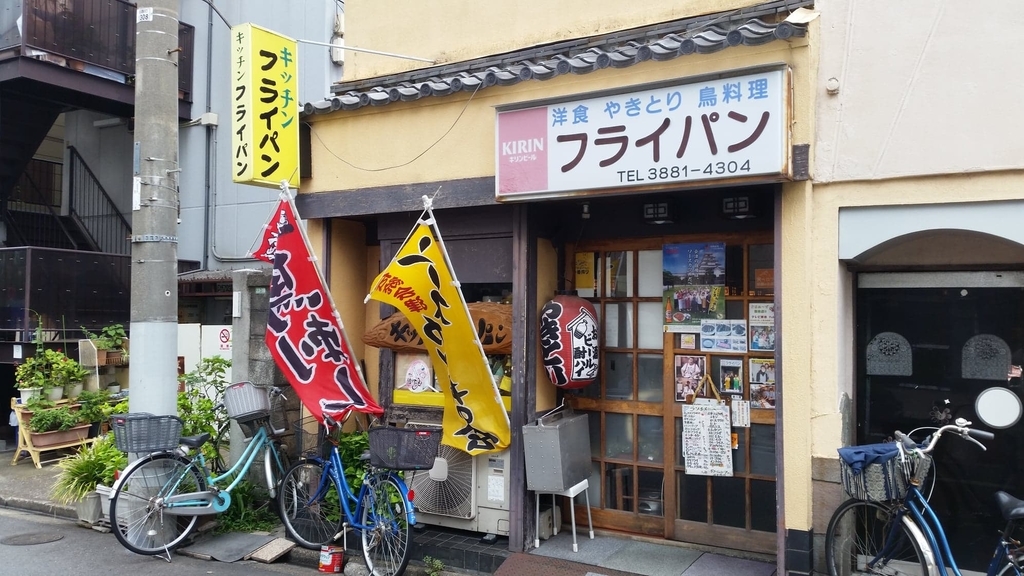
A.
x: 961, y: 428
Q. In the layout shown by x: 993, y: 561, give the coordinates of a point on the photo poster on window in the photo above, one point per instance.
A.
x: 707, y: 439
x: 762, y: 383
x: 762, y: 327
x: 689, y: 373
x: 730, y: 376
x: 694, y: 284
x: 725, y: 336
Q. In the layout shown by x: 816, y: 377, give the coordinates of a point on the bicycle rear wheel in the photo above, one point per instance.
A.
x: 860, y: 531
x: 137, y: 515
x: 222, y: 446
x: 312, y: 516
x: 386, y: 545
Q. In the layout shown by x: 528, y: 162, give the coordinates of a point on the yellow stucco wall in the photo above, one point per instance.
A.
x: 472, y: 28
x: 375, y: 139
x: 380, y: 141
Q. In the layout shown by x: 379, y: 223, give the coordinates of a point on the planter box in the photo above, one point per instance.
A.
x: 43, y: 439
x: 88, y: 508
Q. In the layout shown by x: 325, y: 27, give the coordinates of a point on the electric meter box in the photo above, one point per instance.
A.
x: 557, y: 452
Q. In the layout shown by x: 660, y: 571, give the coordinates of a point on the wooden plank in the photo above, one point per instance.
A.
x: 272, y: 550
x: 399, y: 198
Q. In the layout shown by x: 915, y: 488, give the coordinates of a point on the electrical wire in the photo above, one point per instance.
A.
x: 415, y: 158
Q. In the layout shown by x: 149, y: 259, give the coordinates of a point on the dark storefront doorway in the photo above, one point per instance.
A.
x: 927, y: 345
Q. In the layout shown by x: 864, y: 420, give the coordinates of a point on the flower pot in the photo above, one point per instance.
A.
x: 73, y: 390
x: 29, y: 393
x: 101, y: 357
x: 88, y: 508
x: 104, y: 493
x: 113, y: 388
x: 44, y: 439
x: 54, y: 394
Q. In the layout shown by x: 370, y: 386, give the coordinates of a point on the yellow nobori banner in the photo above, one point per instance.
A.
x: 420, y: 283
x: 264, y: 107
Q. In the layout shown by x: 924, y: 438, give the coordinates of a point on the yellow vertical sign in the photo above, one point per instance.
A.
x: 584, y: 271
x: 264, y: 107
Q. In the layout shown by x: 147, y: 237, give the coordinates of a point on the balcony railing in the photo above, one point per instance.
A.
x: 84, y: 33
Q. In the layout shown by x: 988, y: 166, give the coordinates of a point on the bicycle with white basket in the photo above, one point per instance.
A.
x: 157, y: 500
x: 888, y: 527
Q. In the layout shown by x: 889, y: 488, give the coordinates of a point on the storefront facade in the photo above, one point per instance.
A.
x: 391, y: 137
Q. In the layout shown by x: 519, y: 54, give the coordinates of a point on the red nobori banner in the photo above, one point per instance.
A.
x: 304, y: 333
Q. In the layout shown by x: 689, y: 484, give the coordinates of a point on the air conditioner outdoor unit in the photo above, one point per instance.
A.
x: 464, y: 492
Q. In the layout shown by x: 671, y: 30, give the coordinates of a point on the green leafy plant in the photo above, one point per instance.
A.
x: 351, y: 446
x: 92, y: 405
x: 434, y: 567
x: 119, y: 408
x: 47, y: 368
x: 53, y: 419
x: 109, y: 338
x: 197, y: 405
x: 92, y: 465
x: 39, y: 403
x: 250, y: 511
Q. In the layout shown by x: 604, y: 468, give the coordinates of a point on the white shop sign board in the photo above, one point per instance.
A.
x: 729, y: 128
x: 707, y: 439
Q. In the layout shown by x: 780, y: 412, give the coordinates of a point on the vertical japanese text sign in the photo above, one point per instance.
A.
x: 264, y: 107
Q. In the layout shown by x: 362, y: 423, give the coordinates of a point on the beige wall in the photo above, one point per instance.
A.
x: 380, y: 140
x: 925, y: 87
x: 377, y: 139
x: 831, y: 293
x: 455, y: 30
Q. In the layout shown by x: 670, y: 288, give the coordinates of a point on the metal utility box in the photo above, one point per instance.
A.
x: 557, y: 452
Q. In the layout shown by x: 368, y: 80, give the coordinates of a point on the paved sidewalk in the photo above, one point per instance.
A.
x: 28, y: 488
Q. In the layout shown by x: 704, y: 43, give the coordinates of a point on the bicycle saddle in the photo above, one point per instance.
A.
x: 1012, y: 508
x: 195, y: 441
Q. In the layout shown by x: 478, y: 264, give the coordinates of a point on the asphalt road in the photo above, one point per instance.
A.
x: 86, y: 552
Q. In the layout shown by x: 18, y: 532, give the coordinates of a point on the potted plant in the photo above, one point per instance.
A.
x: 91, y: 409
x: 81, y: 473
x: 56, y: 426
x: 109, y: 343
x: 71, y: 375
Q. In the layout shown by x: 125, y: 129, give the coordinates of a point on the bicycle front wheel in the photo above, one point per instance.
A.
x: 311, y: 515
x: 138, y: 517
x: 861, y: 539
x: 386, y: 537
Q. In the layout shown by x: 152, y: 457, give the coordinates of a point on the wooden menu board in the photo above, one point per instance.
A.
x: 707, y: 439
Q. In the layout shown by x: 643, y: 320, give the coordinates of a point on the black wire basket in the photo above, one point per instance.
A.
x: 404, y: 448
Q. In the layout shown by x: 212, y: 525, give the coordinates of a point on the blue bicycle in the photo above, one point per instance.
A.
x: 902, y: 535
x: 317, y: 505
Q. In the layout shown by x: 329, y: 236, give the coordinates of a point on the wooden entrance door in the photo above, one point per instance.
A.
x: 639, y: 482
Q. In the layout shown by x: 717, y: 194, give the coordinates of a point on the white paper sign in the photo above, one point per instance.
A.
x: 707, y: 439
x: 144, y: 15
x: 741, y: 413
x: 496, y: 488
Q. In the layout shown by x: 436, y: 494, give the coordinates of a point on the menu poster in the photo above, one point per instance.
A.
x: 762, y: 327
x: 728, y: 336
x: 741, y: 413
x: 707, y: 439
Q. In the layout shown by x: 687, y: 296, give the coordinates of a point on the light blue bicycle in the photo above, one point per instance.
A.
x: 903, y: 536
x: 157, y: 500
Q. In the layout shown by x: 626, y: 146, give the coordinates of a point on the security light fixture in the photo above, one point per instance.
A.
x: 658, y: 213
x: 737, y: 208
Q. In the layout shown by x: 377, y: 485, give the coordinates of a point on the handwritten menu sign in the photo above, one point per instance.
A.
x: 707, y: 439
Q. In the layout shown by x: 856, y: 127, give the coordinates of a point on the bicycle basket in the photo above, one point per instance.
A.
x: 876, y: 482
x: 142, y: 432
x: 311, y: 438
x: 244, y: 401
x: 404, y: 448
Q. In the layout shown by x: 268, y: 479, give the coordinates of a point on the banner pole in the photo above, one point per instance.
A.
x: 287, y: 195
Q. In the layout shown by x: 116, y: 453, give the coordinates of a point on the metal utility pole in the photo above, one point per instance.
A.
x: 154, y: 306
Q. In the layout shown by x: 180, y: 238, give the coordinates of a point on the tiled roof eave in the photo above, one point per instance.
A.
x: 702, y: 35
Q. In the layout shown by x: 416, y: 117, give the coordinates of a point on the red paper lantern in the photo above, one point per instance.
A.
x: 568, y: 341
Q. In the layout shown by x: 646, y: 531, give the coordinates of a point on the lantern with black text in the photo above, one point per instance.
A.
x: 568, y: 341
